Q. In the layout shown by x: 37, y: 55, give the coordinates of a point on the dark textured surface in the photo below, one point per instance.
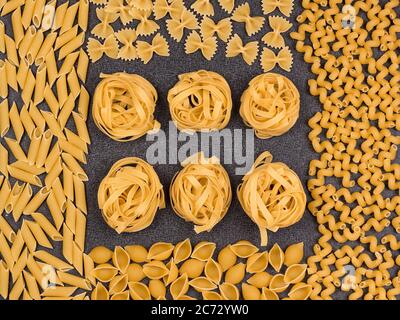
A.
x: 292, y: 148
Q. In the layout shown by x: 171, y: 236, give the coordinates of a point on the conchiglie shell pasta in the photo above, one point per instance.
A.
x: 295, y: 273
x: 227, y: 258
x: 173, y: 272
x: 139, y: 291
x: 260, y: 280
x: 137, y: 253
x: 276, y: 257
x: 294, y: 254
x: 258, y: 262
x: 118, y: 284
x: 121, y: 296
x: 135, y: 272
x: 160, y: 251
x: 182, y: 251
x: 100, y: 292
x: 179, y: 287
x: 278, y: 283
x: 104, y: 272
x: 203, y: 251
x: 121, y: 259
x: 213, y: 271
x: 267, y: 294
x: 157, y: 289
x: 236, y: 273
x: 192, y: 267
x: 229, y: 291
x: 211, y: 295
x: 201, y: 284
x: 244, y: 249
x: 101, y: 255
x: 155, y: 270
x: 250, y: 292
x: 300, y: 291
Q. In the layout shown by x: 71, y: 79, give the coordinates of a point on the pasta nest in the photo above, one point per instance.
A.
x: 123, y: 106
x: 130, y: 195
x: 270, y: 105
x: 200, y: 100
x: 201, y: 192
x: 272, y: 195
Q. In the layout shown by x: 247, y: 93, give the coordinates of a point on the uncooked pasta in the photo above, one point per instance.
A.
x: 130, y: 195
x: 200, y: 100
x: 201, y: 192
x: 270, y: 105
x: 123, y: 106
x: 271, y: 194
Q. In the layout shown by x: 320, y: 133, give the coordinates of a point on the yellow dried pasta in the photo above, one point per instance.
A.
x: 235, y: 47
x: 201, y: 192
x: 278, y: 192
x: 274, y: 38
x: 123, y: 106
x: 269, y: 60
x: 253, y: 24
x: 134, y: 207
x: 270, y: 105
x: 200, y: 100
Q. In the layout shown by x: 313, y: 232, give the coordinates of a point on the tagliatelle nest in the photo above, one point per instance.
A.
x: 201, y: 192
x: 270, y: 105
x: 130, y: 195
x: 123, y: 106
x: 272, y: 195
x: 200, y: 100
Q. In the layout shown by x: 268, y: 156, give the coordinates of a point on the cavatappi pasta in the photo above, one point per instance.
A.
x: 44, y: 71
x: 352, y: 48
x: 200, y: 100
x: 123, y: 106
x: 277, y: 192
x: 201, y: 192
x: 136, y: 273
x: 270, y: 105
x: 130, y: 195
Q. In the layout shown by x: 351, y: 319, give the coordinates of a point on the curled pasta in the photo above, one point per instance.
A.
x: 270, y: 105
x: 123, y: 106
x: 201, y: 192
x: 130, y: 195
x: 277, y: 192
x: 200, y: 100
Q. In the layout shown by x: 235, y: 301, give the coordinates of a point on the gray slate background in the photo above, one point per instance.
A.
x: 292, y: 148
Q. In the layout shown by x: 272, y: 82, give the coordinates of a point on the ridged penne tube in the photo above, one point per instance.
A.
x: 28, y: 88
x: 81, y: 127
x: 55, y: 210
x: 3, y: 161
x: 16, y: 123
x: 83, y: 64
x: 5, y: 120
x: 11, y: 50
x: 16, y: 149
x: 59, y: 16
x: 46, y: 226
x: 83, y: 103
x: 73, y: 83
x: 34, y: 47
x: 26, y: 42
x: 28, y: 237
x: 68, y: 63
x: 17, y: 247
x: 72, y: 45
x: 43, y: 148
x: 4, y: 194
x: 67, y: 244
x: 47, y: 45
x: 36, y: 272
x: 24, y: 176
x: 51, y: 67
x: 37, y: 200
x: 66, y: 110
x: 65, y: 38
x: 62, y: 292
x: 17, y: 289
x: 39, y: 235
x: 3, y: 84
x: 52, y: 260
x: 58, y: 192
x: 53, y: 125
x: 52, y: 157
x: 37, y: 117
x: 68, y: 183
x: 69, y: 18
x: 77, y: 258
x: 2, y: 34
x: 6, y: 229
x: 74, y: 281
x: 71, y: 149
x: 31, y: 285
x: 11, y: 73
x: 88, y: 266
x: 51, y: 101
x: 80, y: 229
x: 5, y: 251
x: 14, y: 196
x: 34, y: 146
x: 38, y: 12
x: 23, y: 200
x: 40, y: 84
x: 80, y: 194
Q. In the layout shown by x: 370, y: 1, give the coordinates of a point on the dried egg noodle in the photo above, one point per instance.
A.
x: 200, y: 100
x: 201, y: 192
x: 130, y: 195
x: 123, y: 106
x: 271, y: 194
x: 270, y: 105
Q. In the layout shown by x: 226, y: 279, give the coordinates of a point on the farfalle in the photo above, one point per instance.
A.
x: 208, y: 46
x: 163, y: 7
x: 104, y: 28
x: 227, y: 5
x: 96, y: 49
x: 269, y: 60
x: 249, y: 51
x: 158, y: 45
x: 252, y: 24
x: 176, y: 26
x: 120, y: 8
x: 203, y: 7
x: 146, y: 5
x: 223, y: 28
x: 127, y: 37
x: 146, y: 26
x: 274, y: 38
x: 284, y: 6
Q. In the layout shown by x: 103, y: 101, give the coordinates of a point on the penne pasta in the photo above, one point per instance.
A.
x: 47, y: 227
x: 77, y: 258
x: 38, y: 12
x: 11, y: 50
x: 67, y: 245
x: 16, y: 123
x: 28, y: 13
x: 5, y: 119
x: 62, y: 90
x: 51, y: 67
x: 65, y: 38
x: 4, y: 279
x: 4, y: 193
x: 39, y: 235
x: 16, y: 149
x: 44, y: 147
x: 53, y: 125
x: 24, y: 176
x: 28, y: 237
x: 68, y: 63
x: 83, y: 104
x: 54, y: 172
x: 46, y: 47
x: 59, y: 292
x: 80, y: 229
x: 27, y: 122
x: 82, y: 65
x: 80, y: 195
x: 5, y: 252
x: 76, y: 140
x: 73, y: 280
x: 26, y: 42
x: 74, y: 151
x: 55, y: 210
x: 58, y: 192
x: 83, y: 14
x: 31, y: 285
x: 73, y: 83
x: 51, y: 101
x: 40, y: 84
x: 23, y: 200
x: 14, y: 196
x: 28, y: 88
x: 17, y: 289
x: 72, y: 45
x: 3, y: 161
x: 3, y: 84
x: 17, y: 27
x: 70, y: 216
x: 34, y: 146
x: 52, y: 157
x: 34, y: 48
x: 37, y: 117
x: 66, y: 111
x: 6, y: 229
x: 52, y: 260
x: 11, y: 74
x: 68, y: 183
x: 69, y: 18
x: 37, y: 200
x: 2, y: 34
